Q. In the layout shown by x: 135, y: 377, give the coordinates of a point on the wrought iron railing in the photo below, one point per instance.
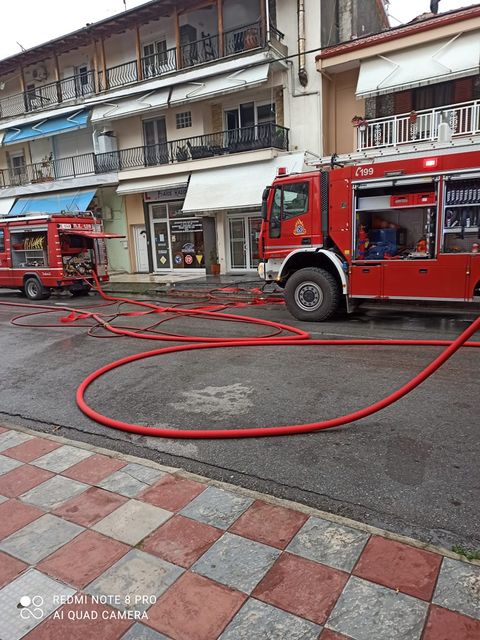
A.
x: 35, y: 99
x: 49, y: 170
x: 419, y: 126
x: 260, y: 136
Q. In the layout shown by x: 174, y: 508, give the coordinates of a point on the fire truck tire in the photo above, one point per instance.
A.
x: 312, y: 295
x: 34, y: 290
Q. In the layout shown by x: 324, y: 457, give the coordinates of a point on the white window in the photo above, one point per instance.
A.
x: 184, y: 119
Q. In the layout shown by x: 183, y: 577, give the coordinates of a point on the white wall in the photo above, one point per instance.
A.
x: 302, y: 105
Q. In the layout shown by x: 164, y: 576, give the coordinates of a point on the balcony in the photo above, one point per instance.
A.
x: 262, y: 136
x: 419, y: 126
x: 84, y: 85
x: 49, y: 170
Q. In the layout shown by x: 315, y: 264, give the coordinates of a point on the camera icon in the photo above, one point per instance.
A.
x: 31, y: 607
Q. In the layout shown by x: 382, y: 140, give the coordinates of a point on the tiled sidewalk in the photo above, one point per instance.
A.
x: 98, y: 546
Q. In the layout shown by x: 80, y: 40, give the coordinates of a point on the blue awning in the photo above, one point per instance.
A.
x: 73, y: 201
x: 49, y: 127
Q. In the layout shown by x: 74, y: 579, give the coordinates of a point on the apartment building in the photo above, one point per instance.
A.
x: 169, y: 119
x: 391, y: 91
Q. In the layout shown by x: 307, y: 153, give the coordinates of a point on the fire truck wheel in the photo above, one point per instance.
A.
x: 34, y: 290
x: 312, y: 295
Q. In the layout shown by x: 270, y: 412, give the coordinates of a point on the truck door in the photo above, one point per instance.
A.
x: 292, y: 223
x: 5, y: 271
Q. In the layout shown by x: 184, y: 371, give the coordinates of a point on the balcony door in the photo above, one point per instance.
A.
x: 155, y: 137
x: 17, y: 168
x: 248, y: 126
x: 155, y: 59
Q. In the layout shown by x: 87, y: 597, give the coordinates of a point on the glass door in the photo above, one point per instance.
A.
x: 161, y: 244
x: 254, y: 226
x: 155, y: 136
x: 238, y: 245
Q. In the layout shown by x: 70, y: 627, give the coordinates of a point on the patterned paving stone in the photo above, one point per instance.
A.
x: 93, y: 469
x: 217, y: 507
x: 31, y: 583
x: 62, y: 458
x: 135, y: 575
x: 14, y: 515
x: 7, y: 464
x: 10, y: 568
x: 236, y: 562
x: 40, y: 538
x: 302, y: 587
x: 81, y: 627
x: 145, y: 474
x: 190, y: 594
x: 3, y: 429
x: 181, y: 540
x: 132, y: 521
x: 10, y: 439
x: 21, y: 479
x: 141, y: 632
x: 53, y: 492
x: 90, y: 506
x: 448, y: 625
x: 264, y: 622
x: 365, y: 611
x: 83, y: 559
x: 3, y: 499
x: 398, y: 566
x: 32, y: 449
x: 124, y: 484
x: 458, y: 587
x: 172, y: 492
x: 329, y: 543
x: 269, y: 524
x: 328, y: 634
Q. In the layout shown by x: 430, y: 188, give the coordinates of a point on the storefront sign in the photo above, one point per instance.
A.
x: 173, y: 193
x: 186, y: 226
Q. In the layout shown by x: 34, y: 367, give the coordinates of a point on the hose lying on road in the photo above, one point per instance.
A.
x: 300, y: 339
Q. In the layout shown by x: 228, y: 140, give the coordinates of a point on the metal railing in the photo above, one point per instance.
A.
x: 420, y: 126
x: 48, y: 170
x: 35, y: 99
x: 260, y: 136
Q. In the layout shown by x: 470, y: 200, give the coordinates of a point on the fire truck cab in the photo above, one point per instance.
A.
x: 44, y: 252
x: 404, y: 229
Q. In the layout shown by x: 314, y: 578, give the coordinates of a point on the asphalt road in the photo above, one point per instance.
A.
x: 413, y: 468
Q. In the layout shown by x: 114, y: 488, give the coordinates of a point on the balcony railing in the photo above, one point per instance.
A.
x: 48, y: 170
x: 82, y: 85
x: 49, y: 95
x: 261, y: 136
x: 420, y: 126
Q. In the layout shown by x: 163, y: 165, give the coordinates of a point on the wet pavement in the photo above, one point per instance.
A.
x: 412, y: 469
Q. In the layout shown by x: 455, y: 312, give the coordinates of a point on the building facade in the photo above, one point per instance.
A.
x: 168, y: 120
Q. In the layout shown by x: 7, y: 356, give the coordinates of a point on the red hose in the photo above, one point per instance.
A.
x: 255, y: 432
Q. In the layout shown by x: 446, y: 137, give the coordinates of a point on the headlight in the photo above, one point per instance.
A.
x: 261, y: 270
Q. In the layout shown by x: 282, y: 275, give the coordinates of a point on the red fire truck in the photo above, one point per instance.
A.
x: 403, y: 229
x: 42, y: 252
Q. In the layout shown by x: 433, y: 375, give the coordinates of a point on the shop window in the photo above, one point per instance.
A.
x: 184, y: 119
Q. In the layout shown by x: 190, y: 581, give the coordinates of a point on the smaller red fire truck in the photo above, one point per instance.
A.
x: 404, y: 229
x: 43, y: 252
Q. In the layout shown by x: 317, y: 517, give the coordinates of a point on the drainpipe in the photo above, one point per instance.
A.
x: 302, y: 71
x: 267, y: 21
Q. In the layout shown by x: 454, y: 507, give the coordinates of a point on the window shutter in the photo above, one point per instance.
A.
x: 403, y: 102
x: 463, y: 90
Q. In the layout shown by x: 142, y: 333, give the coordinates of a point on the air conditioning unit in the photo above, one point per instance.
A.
x: 40, y: 73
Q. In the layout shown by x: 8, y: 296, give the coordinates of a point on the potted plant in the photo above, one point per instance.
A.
x: 214, y: 263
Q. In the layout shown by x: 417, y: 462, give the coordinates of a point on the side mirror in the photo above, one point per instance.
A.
x: 265, y: 193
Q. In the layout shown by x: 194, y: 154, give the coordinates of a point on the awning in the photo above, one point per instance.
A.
x: 47, y: 127
x: 131, y: 106
x: 176, y: 181
x: 424, y: 64
x: 90, y: 234
x: 73, y: 201
x: 5, y: 205
x: 219, y: 85
x: 236, y: 187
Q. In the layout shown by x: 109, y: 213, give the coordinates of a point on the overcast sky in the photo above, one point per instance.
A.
x: 31, y: 22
